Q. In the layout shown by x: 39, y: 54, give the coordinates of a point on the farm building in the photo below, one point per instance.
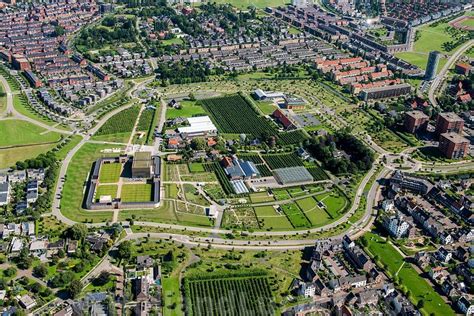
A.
x: 259, y: 94
x: 294, y: 103
x: 292, y: 175
x: 236, y: 168
x: 239, y: 186
x: 199, y: 126
x: 141, y: 165
x: 283, y: 119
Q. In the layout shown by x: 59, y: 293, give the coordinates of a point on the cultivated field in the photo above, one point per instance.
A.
x: 119, y: 127
x: 248, y: 294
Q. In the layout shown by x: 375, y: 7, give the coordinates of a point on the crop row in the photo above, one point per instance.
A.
x: 121, y: 122
x: 317, y: 173
x: 277, y: 161
x: 232, y: 114
x: 229, y: 296
x: 292, y: 138
x: 221, y: 177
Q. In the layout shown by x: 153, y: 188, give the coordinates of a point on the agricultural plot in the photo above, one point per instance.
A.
x: 110, y: 172
x: 196, y: 167
x: 295, y: 216
x: 261, y: 197
x: 292, y: 138
x: 120, y: 125
x: 136, y: 192
x: 281, y: 194
x: 241, y: 218
x: 234, y: 115
x: 221, y: 176
x: 247, y: 294
x: 188, y: 109
x: 268, y: 218
x: 317, y: 173
x: 146, y: 123
x: 277, y: 161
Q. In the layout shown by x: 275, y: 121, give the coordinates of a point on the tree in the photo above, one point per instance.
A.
x: 77, y: 231
x: 59, y: 30
x: 40, y: 271
x: 74, y: 288
x: 102, y: 279
x: 10, y: 272
x: 24, y: 260
x: 421, y: 304
x: 125, y: 250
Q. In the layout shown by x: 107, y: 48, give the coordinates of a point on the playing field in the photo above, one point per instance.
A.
x: 108, y: 189
x: 18, y: 132
x: 468, y: 23
x: 136, y: 192
x: 110, y: 172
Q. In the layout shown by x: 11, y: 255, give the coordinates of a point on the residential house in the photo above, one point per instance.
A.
x: 27, y: 302
x: 443, y: 255
x: 466, y: 306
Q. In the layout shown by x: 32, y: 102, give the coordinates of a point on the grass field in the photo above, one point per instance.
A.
x: 316, y: 215
x: 110, y: 172
x: 267, y: 108
x: 8, y: 157
x: 18, y: 132
x: 295, y: 216
x: 136, y: 192
x: 3, y: 99
x: 419, y: 288
x: 271, y: 219
x: 334, y: 203
x: 189, y: 109
x: 431, y: 38
x: 468, y: 23
x: 196, y: 167
x: 108, y: 189
x: 74, y: 187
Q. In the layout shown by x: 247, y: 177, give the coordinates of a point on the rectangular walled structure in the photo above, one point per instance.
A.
x: 116, y: 203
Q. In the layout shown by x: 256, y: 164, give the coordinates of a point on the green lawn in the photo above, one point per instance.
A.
x: 469, y: 23
x: 419, y: 288
x: 63, y: 151
x: 72, y: 197
x: 108, y: 189
x: 271, y: 219
x: 267, y: 108
x: 8, y: 157
x: 171, y: 296
x: 295, y: 216
x: 18, y: 132
x: 3, y: 99
x: 334, y: 203
x: 188, y: 109
x: 164, y: 213
x: 431, y: 38
x: 172, y: 41
x: 110, y: 172
x: 114, y: 138
x: 196, y: 167
x: 316, y: 215
x: 136, y: 192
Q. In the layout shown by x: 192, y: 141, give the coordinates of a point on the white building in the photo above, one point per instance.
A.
x: 307, y: 289
x: 396, y: 225
x: 199, y: 126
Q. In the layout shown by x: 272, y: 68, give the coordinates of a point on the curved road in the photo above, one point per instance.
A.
x: 441, y: 76
x: 17, y: 115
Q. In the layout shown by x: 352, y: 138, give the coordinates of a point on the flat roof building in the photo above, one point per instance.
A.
x: 390, y: 91
x: 141, y: 165
x: 199, y: 126
x: 453, y: 145
x: 449, y: 122
x: 292, y: 175
x: 415, y: 121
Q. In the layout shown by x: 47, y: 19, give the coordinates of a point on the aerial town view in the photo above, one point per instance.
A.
x: 236, y: 157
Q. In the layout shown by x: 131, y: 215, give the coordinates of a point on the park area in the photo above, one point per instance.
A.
x: 419, y: 289
x: 136, y: 192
